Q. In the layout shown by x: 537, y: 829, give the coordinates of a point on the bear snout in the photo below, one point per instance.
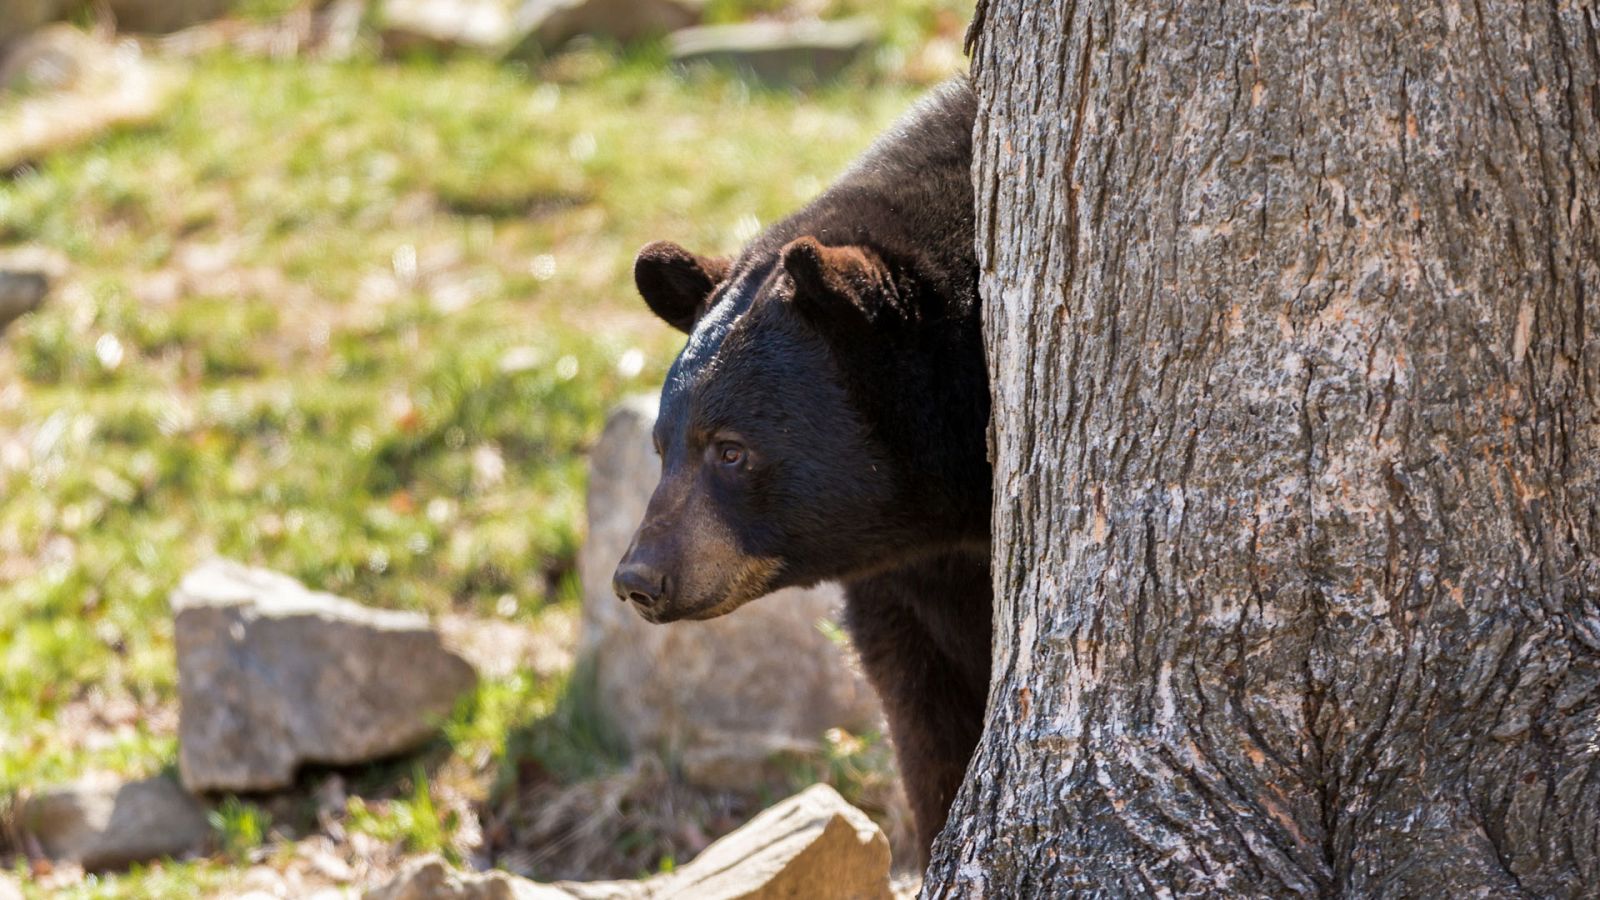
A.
x: 640, y: 583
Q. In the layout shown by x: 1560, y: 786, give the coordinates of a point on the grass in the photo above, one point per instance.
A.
x: 359, y: 322
x: 241, y: 827
x: 412, y: 821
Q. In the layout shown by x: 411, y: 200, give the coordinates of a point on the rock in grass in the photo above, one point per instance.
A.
x: 777, y: 52
x: 63, y: 87
x: 444, y: 25
x: 20, y: 292
x: 728, y: 696
x: 272, y: 675
x: 542, y: 26
x: 812, y: 845
x: 26, y: 276
x: 50, y: 59
x: 103, y: 824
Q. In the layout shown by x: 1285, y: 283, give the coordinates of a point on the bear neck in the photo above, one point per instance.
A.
x: 923, y: 391
x: 922, y: 382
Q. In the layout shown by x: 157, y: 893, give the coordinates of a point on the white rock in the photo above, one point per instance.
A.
x: 103, y: 824
x: 722, y: 694
x: 408, y: 25
x: 271, y: 675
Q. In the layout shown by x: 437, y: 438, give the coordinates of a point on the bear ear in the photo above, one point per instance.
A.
x: 837, y: 286
x: 677, y: 284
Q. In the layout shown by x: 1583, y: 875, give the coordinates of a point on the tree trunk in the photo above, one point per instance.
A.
x: 1297, y: 456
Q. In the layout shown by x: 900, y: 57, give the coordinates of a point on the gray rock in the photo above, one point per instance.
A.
x: 544, y: 25
x: 26, y: 276
x: 725, y: 695
x: 777, y: 52
x: 18, y: 17
x: 49, y: 59
x: 812, y: 845
x: 160, y: 16
x: 271, y: 675
x: 445, y: 25
x: 20, y: 292
x: 106, y: 825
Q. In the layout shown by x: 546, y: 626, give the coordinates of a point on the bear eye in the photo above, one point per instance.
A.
x: 729, y: 454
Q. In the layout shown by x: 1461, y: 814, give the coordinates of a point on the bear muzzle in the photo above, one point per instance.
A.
x: 642, y: 584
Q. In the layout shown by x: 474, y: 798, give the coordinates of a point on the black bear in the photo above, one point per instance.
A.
x: 827, y: 420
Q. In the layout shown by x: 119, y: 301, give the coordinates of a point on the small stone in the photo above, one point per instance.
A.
x: 777, y: 52
x: 272, y: 675
x: 724, y: 694
x: 26, y: 276
x: 102, y: 824
x: 543, y: 26
x: 20, y: 292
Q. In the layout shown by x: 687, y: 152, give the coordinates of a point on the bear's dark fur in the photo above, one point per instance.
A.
x: 827, y: 421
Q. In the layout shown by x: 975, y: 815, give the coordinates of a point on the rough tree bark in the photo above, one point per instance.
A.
x: 1297, y: 457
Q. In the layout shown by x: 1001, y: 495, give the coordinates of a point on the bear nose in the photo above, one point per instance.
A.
x: 638, y: 583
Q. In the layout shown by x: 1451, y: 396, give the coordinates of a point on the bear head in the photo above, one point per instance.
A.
x: 771, y: 475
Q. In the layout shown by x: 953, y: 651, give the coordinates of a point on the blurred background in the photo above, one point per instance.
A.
x: 342, y: 290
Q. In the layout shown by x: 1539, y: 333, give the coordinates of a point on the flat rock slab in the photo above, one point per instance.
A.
x: 95, y: 86
x: 104, y: 824
x: 444, y: 25
x: 726, y: 695
x: 542, y: 26
x: 272, y: 675
x: 812, y: 845
x: 777, y: 52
